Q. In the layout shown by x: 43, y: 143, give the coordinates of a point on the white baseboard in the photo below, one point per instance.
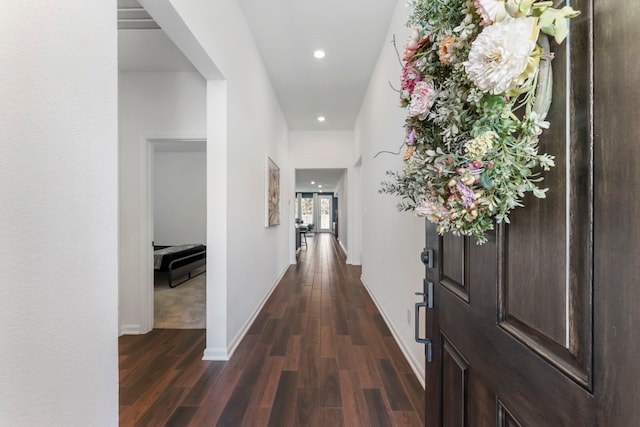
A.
x: 216, y: 354
x: 233, y: 345
x: 130, y: 330
x: 343, y: 249
x: 415, y: 365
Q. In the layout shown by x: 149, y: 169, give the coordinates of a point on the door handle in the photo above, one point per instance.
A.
x: 426, y: 303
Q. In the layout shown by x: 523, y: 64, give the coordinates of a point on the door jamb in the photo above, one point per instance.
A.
x: 147, y: 316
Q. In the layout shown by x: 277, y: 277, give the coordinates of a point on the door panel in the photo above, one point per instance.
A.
x: 454, y: 394
x: 513, y: 317
x: 505, y: 419
x: 454, y: 265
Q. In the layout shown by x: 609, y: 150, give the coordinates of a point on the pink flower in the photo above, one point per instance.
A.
x: 409, y: 78
x: 422, y: 99
x: 433, y: 210
x: 490, y: 11
x: 416, y: 39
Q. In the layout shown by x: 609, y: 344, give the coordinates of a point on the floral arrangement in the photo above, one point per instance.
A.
x: 476, y: 83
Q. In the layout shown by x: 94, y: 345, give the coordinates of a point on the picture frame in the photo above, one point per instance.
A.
x: 272, y: 193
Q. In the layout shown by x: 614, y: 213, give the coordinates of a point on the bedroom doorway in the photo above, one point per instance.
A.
x: 178, y: 201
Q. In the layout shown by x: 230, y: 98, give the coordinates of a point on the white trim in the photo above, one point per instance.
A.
x: 233, y: 345
x: 415, y: 365
x: 130, y: 330
x: 147, y: 317
x: 216, y: 354
x: 343, y: 249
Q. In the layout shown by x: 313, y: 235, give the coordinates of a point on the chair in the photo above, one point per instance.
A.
x: 303, y: 235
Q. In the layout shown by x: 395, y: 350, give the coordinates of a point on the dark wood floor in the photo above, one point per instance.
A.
x: 318, y: 354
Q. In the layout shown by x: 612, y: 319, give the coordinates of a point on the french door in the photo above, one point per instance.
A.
x: 325, y: 213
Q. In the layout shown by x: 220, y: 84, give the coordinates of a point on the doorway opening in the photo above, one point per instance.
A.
x: 179, y: 226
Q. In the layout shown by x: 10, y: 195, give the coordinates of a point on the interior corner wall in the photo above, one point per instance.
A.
x: 150, y: 105
x: 58, y: 214
x: 180, y: 197
x: 256, y: 256
x: 392, y: 240
x: 323, y: 150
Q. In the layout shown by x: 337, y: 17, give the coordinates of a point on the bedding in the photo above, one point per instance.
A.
x: 179, y: 259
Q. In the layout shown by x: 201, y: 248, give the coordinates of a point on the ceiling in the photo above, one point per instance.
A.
x: 352, y: 32
x: 327, y: 178
x: 286, y: 32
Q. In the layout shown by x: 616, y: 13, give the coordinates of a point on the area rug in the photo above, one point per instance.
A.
x: 182, y: 307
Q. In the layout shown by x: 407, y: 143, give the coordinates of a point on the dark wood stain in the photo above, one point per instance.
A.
x: 378, y: 416
x: 236, y: 407
x: 318, y: 354
x: 283, y: 410
x: 393, y: 386
x: 181, y: 416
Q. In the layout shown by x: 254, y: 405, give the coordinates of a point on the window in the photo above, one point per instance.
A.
x: 306, y: 209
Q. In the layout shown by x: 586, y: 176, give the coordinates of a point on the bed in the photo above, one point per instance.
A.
x: 179, y: 261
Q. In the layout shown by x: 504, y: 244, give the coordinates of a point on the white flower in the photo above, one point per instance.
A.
x: 422, y: 99
x: 477, y: 147
x: 500, y: 54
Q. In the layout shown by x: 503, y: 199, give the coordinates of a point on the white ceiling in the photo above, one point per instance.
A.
x: 352, y: 32
x: 286, y: 32
x: 328, y: 178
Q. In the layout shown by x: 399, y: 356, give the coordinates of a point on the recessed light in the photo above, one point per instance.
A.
x: 321, y: 119
x: 319, y: 54
x: 313, y: 182
x: 319, y: 186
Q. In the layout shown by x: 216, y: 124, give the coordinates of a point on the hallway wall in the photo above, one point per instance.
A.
x: 151, y: 104
x: 391, y: 240
x: 245, y: 125
x: 58, y: 214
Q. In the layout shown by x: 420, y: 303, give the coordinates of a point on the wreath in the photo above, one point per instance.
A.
x: 476, y: 82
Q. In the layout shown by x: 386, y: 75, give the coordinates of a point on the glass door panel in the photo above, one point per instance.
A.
x: 325, y: 213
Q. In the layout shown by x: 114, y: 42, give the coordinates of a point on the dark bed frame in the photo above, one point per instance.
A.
x: 183, y: 264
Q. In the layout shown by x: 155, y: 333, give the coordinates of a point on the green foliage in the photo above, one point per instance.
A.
x: 474, y: 156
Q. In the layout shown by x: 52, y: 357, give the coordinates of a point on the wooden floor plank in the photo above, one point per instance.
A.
x: 181, y: 416
x: 308, y: 411
x: 395, y: 392
x: 265, y: 391
x: 318, y: 354
x: 283, y: 412
x: 378, y: 416
x: 236, y: 407
x: 329, y: 384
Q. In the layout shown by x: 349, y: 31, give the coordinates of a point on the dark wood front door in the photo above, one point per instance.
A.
x: 537, y: 327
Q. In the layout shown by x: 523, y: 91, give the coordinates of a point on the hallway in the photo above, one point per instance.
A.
x: 318, y: 354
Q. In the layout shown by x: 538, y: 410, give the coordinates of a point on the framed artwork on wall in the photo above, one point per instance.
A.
x: 272, y: 207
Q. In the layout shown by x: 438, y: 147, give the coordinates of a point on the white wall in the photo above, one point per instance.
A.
x: 180, y: 198
x: 324, y: 150
x: 392, y: 241
x: 58, y: 214
x: 150, y: 105
x: 343, y: 211
x: 321, y: 149
x: 244, y: 125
